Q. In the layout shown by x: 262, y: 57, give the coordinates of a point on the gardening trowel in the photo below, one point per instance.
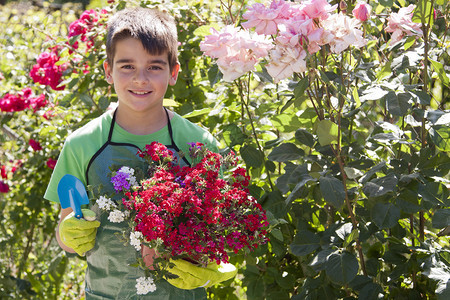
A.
x: 72, y: 193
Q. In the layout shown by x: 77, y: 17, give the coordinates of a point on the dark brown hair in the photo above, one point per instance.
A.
x: 156, y: 30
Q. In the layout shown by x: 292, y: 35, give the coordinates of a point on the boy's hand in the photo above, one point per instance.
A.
x: 192, y: 276
x: 79, y: 234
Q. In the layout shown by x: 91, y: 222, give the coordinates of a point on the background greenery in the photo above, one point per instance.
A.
x: 356, y: 192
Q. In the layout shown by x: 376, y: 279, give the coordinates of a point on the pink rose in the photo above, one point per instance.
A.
x: 401, y: 24
x: 35, y: 145
x: 362, y: 11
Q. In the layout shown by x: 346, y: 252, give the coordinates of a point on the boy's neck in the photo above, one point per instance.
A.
x: 142, y: 123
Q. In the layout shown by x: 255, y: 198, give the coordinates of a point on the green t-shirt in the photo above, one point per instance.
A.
x: 83, y: 143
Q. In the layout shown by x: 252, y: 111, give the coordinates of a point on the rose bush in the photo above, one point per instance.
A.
x: 338, y: 108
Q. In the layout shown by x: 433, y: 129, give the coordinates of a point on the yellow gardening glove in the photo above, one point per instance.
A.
x: 191, y: 276
x: 79, y: 234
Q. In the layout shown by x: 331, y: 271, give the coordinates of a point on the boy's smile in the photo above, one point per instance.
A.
x: 140, y: 79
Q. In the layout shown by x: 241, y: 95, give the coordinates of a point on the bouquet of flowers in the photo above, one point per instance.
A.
x: 200, y: 213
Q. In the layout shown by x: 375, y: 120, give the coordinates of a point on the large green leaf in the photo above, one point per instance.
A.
x: 286, y: 152
x: 385, y: 215
x: 304, y: 243
x: 233, y: 135
x: 441, y: 72
x: 342, y: 267
x: 380, y: 186
x: 440, y: 135
x: 332, y: 191
x: 398, y: 104
x: 304, y: 137
x: 252, y: 156
x: 327, y: 132
x: 441, y: 218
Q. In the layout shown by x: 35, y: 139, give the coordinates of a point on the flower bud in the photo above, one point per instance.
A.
x: 343, y: 6
x: 362, y: 11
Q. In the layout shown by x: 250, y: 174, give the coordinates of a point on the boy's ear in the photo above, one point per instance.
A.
x: 108, y: 75
x: 174, y: 74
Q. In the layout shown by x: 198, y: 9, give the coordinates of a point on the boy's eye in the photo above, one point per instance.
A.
x: 155, y: 68
x: 127, y: 67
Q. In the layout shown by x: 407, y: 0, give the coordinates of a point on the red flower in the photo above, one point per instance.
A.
x: 51, y: 163
x: 191, y: 210
x: 4, y: 187
x: 3, y: 172
x: 35, y: 145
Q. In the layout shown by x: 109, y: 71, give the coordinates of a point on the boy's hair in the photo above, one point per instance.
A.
x: 156, y: 30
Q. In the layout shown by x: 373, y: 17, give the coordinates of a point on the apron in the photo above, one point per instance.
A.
x: 109, y: 274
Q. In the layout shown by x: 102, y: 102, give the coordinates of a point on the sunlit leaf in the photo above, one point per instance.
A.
x: 327, y: 132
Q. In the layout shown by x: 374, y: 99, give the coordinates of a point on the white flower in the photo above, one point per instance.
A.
x: 105, y: 203
x: 127, y: 170
x: 135, y: 239
x: 145, y: 285
x: 116, y: 216
x: 131, y: 178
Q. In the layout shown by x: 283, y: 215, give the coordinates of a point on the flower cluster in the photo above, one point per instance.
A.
x: 401, y: 24
x: 237, y: 51
x: 47, y: 71
x: 82, y: 28
x: 295, y: 29
x: 21, y: 101
x: 188, y: 212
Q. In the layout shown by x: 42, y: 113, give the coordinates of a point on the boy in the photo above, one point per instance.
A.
x: 141, y: 62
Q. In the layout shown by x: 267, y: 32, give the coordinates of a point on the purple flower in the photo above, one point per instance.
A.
x: 120, y: 181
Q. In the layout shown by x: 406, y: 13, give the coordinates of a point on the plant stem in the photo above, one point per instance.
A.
x: 261, y: 150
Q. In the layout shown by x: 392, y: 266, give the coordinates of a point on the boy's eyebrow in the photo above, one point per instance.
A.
x: 152, y: 61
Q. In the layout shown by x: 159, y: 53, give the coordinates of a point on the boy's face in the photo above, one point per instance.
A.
x: 140, y: 79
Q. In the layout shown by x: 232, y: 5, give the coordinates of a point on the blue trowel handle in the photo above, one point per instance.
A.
x: 75, y: 206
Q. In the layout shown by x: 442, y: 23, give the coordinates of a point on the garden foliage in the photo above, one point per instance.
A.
x: 339, y: 109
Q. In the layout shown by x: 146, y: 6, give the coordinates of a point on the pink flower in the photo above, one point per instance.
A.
x: 362, y: 11
x: 35, y: 145
x: 401, y: 24
x: 285, y: 61
x: 344, y: 32
x: 4, y: 187
x: 265, y: 20
x: 16, y: 102
x: 51, y: 163
x: 317, y: 9
x: 1, y: 76
x: 238, y: 51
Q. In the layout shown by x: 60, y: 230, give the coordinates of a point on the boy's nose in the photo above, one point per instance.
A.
x: 140, y: 77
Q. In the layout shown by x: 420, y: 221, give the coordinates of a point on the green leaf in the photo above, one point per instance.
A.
x: 434, y: 193
x: 373, y: 93
x: 332, y: 191
x: 305, y: 242
x: 205, y: 30
x: 233, y: 135
x: 371, y: 291
x: 304, y: 137
x: 439, y: 69
x: 356, y: 97
x: 386, y: 3
x: 197, y: 113
x: 286, y: 152
x: 385, y: 71
x: 86, y: 99
x: 440, y: 135
x: 385, y: 215
x: 441, y: 218
x: 423, y: 13
x: 300, y: 87
x: 214, y: 75
x: 327, y: 132
x: 341, y: 268
x: 252, y: 156
x: 380, y: 186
